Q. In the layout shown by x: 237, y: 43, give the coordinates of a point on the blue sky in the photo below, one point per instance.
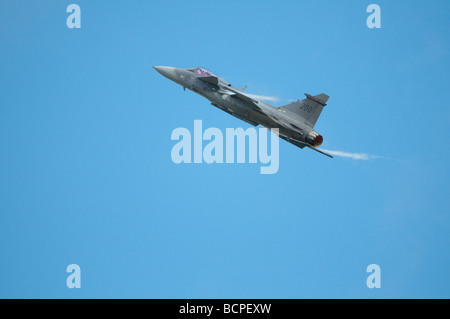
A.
x: 87, y: 178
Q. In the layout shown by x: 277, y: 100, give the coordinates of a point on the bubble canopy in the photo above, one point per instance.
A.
x: 201, y: 71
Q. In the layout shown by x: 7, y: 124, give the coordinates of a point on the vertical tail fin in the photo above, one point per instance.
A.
x: 308, y: 109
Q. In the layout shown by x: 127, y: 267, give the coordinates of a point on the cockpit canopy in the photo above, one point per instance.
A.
x: 204, y: 72
x: 201, y: 71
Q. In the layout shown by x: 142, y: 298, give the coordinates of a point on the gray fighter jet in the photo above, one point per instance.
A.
x: 295, y: 121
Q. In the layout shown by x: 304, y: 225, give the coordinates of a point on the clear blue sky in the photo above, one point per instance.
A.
x: 86, y: 175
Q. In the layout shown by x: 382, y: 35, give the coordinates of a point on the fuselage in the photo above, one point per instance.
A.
x: 264, y: 114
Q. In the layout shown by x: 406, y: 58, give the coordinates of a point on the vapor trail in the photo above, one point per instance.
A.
x: 355, y: 156
x: 265, y: 98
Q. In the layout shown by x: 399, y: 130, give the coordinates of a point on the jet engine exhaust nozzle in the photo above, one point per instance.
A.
x: 314, y: 138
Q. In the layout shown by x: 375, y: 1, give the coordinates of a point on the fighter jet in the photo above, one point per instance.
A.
x: 295, y: 121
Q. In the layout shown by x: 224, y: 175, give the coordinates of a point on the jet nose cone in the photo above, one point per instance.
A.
x: 167, y: 71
